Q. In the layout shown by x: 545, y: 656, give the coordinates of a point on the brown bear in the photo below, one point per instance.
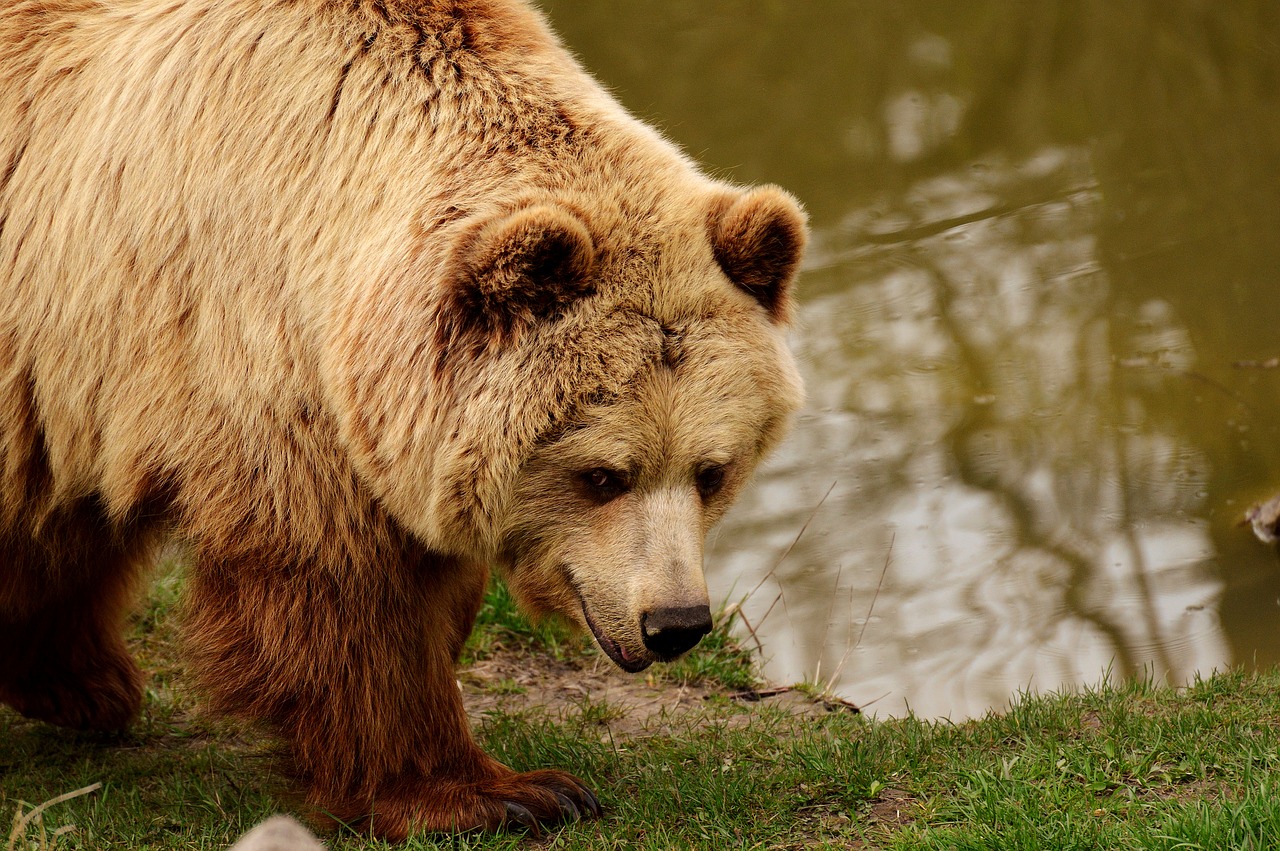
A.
x: 356, y: 298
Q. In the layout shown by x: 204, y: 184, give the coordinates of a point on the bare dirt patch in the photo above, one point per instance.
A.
x: 892, y: 808
x: 517, y: 680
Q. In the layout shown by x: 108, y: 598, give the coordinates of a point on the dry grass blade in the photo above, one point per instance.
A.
x: 791, y: 545
x: 21, y: 821
x: 742, y: 616
x: 770, y: 609
x: 887, y: 558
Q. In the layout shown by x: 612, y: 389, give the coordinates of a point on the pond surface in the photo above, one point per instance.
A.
x: 1038, y: 323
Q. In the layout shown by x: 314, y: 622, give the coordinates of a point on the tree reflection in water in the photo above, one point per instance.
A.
x: 965, y: 394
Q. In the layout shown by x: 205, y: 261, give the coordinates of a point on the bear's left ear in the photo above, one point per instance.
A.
x: 519, y: 268
x: 758, y: 238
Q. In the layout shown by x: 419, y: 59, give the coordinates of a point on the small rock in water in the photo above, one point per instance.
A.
x: 1264, y: 518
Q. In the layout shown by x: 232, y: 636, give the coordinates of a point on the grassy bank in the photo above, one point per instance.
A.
x: 1136, y: 766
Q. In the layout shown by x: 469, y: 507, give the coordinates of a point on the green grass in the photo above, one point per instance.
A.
x: 1131, y: 766
x: 500, y: 625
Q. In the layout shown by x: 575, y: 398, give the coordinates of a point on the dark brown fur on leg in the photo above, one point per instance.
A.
x: 355, y: 666
x: 62, y: 610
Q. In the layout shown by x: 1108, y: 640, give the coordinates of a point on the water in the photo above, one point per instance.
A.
x: 1035, y: 324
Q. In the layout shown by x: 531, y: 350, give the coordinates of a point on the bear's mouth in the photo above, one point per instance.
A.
x: 612, y: 649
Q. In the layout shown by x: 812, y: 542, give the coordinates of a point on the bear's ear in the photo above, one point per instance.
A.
x: 520, y: 268
x: 758, y: 238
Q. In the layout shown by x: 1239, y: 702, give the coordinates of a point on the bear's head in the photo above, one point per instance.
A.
x: 642, y: 451
x: 599, y: 382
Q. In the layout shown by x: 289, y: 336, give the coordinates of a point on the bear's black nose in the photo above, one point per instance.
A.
x: 671, y: 631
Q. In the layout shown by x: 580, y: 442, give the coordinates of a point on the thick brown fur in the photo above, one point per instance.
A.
x: 353, y: 297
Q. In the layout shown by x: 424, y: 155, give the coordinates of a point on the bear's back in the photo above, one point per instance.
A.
x: 193, y: 194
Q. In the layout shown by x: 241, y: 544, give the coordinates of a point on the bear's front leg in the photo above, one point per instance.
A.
x: 356, y: 669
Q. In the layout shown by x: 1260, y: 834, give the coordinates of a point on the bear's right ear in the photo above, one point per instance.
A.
x: 517, y: 269
x: 758, y: 238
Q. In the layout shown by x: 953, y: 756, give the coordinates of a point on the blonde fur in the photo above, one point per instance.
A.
x: 346, y: 294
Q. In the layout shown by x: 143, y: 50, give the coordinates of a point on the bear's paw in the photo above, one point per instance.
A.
x: 104, y: 694
x: 534, y: 801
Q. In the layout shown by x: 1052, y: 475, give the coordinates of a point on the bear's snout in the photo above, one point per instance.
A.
x: 670, y: 631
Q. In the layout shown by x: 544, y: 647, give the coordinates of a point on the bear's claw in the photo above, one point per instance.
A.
x: 521, y: 816
x: 568, y: 807
x: 593, y: 803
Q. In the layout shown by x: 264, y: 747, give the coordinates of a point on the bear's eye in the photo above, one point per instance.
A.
x: 604, y: 485
x: 710, y: 480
